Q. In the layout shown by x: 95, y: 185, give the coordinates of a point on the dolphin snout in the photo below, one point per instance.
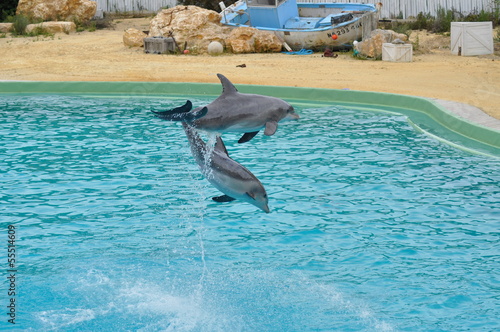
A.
x: 291, y: 115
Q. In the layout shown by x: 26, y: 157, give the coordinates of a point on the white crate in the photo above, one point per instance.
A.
x: 471, y: 38
x: 397, y: 52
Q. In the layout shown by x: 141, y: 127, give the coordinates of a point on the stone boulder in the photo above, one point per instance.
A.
x: 194, y: 25
x: 251, y: 40
x: 6, y: 27
x: 65, y: 10
x: 372, y: 47
x: 134, y: 38
x: 52, y: 27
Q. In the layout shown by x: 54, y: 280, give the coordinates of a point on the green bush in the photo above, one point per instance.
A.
x: 20, y: 22
x: 484, y: 16
x: 442, y: 22
x: 423, y: 22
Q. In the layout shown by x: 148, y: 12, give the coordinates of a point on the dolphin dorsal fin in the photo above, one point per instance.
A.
x: 220, y: 146
x: 227, y: 86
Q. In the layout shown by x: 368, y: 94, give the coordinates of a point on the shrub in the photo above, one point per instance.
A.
x: 20, y: 22
x: 443, y: 20
x: 423, y: 22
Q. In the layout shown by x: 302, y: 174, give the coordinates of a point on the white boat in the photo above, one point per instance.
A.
x: 305, y: 25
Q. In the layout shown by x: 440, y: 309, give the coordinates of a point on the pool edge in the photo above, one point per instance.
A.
x: 441, y: 113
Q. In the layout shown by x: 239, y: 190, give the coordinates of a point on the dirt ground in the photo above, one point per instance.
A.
x: 102, y: 56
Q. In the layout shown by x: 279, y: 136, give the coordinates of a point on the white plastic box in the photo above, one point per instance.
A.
x: 397, y: 52
x: 471, y: 38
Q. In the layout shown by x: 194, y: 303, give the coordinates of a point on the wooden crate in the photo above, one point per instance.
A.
x: 397, y: 52
x: 471, y: 38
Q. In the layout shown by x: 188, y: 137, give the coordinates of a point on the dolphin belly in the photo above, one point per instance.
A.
x: 243, y: 128
x: 229, y: 185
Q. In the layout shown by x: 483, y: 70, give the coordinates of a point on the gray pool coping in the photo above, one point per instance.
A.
x: 469, y: 113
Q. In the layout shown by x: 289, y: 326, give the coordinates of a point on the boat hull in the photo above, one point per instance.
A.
x: 308, y: 36
x: 333, y: 38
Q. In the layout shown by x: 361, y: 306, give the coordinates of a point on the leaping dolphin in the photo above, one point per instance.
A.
x: 236, y: 112
x: 225, y: 174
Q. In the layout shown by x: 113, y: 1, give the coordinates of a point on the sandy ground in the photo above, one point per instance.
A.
x: 102, y: 56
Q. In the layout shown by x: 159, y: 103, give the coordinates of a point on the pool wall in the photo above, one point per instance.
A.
x: 419, y: 110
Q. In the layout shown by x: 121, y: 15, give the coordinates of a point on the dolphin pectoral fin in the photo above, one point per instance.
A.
x: 247, y: 136
x: 176, y: 113
x: 223, y: 199
x: 271, y: 128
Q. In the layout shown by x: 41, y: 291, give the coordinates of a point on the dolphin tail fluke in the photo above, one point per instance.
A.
x: 191, y: 116
x: 247, y: 136
x: 167, y: 115
x: 182, y: 113
x: 223, y: 199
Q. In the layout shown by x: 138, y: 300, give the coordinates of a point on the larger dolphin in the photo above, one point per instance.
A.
x: 225, y: 174
x: 236, y: 112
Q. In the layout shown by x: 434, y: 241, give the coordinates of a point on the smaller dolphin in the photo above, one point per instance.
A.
x: 236, y: 112
x: 225, y: 174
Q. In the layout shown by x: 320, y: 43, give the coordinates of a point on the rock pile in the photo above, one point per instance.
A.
x: 372, y: 47
x: 52, y: 27
x: 134, y: 38
x: 58, y: 10
x: 251, y: 40
x: 199, y: 27
x: 6, y: 27
x: 194, y: 25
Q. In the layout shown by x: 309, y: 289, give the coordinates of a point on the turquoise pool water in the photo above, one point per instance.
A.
x: 374, y: 226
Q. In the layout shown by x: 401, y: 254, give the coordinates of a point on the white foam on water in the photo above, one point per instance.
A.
x: 62, y: 319
x: 187, y: 310
x: 355, y: 308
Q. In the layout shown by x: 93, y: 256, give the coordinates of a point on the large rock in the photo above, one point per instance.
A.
x: 372, y: 47
x: 194, y: 25
x: 52, y: 27
x: 65, y: 10
x: 267, y: 42
x: 251, y: 40
x: 6, y: 27
x: 134, y: 38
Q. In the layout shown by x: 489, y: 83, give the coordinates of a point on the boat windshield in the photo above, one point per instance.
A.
x: 264, y: 3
